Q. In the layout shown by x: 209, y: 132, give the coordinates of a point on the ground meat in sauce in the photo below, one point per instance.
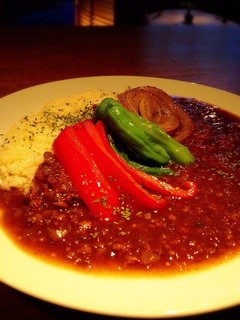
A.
x: 52, y: 221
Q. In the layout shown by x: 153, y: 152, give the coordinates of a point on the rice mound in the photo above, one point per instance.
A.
x: 25, y: 143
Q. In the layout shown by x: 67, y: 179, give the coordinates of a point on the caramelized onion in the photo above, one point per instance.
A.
x: 157, y: 106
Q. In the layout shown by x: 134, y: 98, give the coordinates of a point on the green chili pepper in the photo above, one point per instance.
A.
x: 155, y: 171
x: 144, y: 138
x: 130, y: 132
x: 177, y: 151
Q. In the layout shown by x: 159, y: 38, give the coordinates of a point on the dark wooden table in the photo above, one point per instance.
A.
x: 208, y: 55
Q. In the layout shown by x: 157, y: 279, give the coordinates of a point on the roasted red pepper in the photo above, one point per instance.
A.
x: 101, y: 176
x: 92, y: 187
x: 114, y: 171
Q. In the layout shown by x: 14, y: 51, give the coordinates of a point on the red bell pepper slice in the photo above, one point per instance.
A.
x: 113, y: 170
x: 147, y: 181
x: 91, y: 186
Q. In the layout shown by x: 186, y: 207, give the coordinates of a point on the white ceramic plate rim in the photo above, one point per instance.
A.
x: 140, y: 297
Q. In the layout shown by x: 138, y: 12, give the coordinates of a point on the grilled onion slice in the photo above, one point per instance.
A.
x: 157, y: 106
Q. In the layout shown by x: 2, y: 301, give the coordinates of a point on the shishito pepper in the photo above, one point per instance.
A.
x: 149, y: 182
x: 155, y: 171
x: 129, y: 131
x: 144, y: 138
x: 90, y: 184
x: 177, y: 151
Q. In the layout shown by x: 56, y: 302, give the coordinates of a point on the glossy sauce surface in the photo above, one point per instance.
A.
x: 52, y: 222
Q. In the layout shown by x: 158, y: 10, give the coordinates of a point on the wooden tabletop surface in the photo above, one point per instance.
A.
x: 201, y: 54
x: 208, y: 55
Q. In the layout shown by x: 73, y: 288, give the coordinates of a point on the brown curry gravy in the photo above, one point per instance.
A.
x: 52, y: 222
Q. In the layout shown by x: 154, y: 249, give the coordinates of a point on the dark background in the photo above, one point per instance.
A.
x: 22, y: 12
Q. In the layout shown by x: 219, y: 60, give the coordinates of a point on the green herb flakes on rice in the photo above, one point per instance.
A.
x: 25, y: 143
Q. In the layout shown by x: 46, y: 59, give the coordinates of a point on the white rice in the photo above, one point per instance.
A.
x: 25, y: 143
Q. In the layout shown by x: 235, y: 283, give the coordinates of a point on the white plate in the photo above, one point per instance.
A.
x: 153, y: 297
